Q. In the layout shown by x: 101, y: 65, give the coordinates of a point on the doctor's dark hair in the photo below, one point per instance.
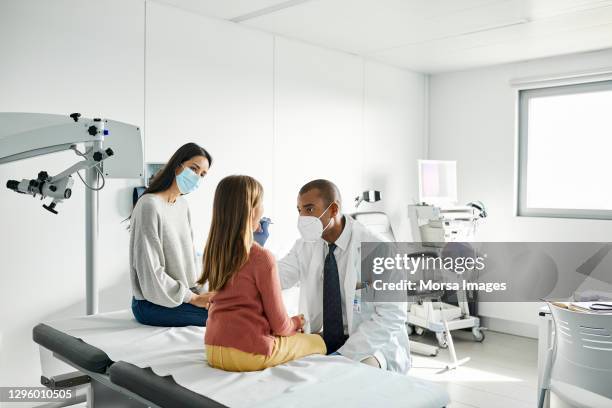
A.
x: 164, y: 178
x: 231, y: 229
x: 328, y: 190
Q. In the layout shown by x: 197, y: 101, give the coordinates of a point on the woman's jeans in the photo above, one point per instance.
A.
x: 155, y: 315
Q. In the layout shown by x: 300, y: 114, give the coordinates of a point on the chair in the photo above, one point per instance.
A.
x: 377, y: 222
x: 578, y: 366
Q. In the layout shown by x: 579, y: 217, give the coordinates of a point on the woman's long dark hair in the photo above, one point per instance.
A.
x: 165, y: 177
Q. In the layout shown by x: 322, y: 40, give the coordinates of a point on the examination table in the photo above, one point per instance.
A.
x: 133, y: 365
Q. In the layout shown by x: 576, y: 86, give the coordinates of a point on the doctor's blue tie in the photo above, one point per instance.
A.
x: 333, y: 327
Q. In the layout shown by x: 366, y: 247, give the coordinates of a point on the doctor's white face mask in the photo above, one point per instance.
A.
x: 310, y: 227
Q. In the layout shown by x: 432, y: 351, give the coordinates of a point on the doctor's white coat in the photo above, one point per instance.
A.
x: 375, y: 328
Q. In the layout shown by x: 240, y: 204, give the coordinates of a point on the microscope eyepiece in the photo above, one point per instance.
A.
x: 12, y: 184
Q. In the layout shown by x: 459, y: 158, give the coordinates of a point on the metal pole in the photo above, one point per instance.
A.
x: 68, y: 403
x: 91, y: 241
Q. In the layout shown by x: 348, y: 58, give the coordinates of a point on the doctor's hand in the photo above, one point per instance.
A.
x: 202, y: 300
x: 261, y: 235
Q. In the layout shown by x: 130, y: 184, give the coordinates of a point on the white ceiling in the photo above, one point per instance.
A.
x: 428, y: 35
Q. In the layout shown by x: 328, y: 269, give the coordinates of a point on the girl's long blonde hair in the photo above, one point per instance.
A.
x: 231, y: 230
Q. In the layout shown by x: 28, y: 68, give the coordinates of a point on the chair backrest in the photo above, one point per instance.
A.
x: 583, y: 356
x: 377, y: 222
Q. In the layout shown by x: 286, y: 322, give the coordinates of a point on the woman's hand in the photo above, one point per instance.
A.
x: 203, y: 299
x: 302, y: 321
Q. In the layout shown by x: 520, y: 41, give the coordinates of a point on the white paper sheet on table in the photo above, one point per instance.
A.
x: 311, y: 381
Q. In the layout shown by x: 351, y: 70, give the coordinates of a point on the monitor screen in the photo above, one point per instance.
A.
x: 437, y: 182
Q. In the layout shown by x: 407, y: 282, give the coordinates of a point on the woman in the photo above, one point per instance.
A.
x: 162, y: 257
x: 248, y: 328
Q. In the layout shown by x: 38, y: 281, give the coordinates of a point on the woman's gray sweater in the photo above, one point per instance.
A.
x: 162, y: 253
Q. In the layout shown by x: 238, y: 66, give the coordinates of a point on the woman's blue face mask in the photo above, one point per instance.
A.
x: 188, y: 181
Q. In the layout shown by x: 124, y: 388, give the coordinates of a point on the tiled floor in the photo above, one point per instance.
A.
x: 501, y: 373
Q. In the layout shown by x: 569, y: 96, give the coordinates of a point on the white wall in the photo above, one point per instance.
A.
x: 209, y: 82
x: 472, y: 120
x: 276, y: 109
x: 394, y: 118
x: 318, y: 130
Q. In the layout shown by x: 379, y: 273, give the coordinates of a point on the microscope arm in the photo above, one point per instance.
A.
x: 93, y: 158
x: 26, y: 135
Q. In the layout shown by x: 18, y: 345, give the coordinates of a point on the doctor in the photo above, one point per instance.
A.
x: 326, y: 263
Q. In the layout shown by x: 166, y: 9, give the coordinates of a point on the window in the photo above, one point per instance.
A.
x: 565, y: 151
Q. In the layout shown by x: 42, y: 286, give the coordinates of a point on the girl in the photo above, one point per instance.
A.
x: 162, y: 256
x: 248, y: 327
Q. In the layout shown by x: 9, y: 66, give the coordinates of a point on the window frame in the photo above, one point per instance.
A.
x: 524, y: 95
